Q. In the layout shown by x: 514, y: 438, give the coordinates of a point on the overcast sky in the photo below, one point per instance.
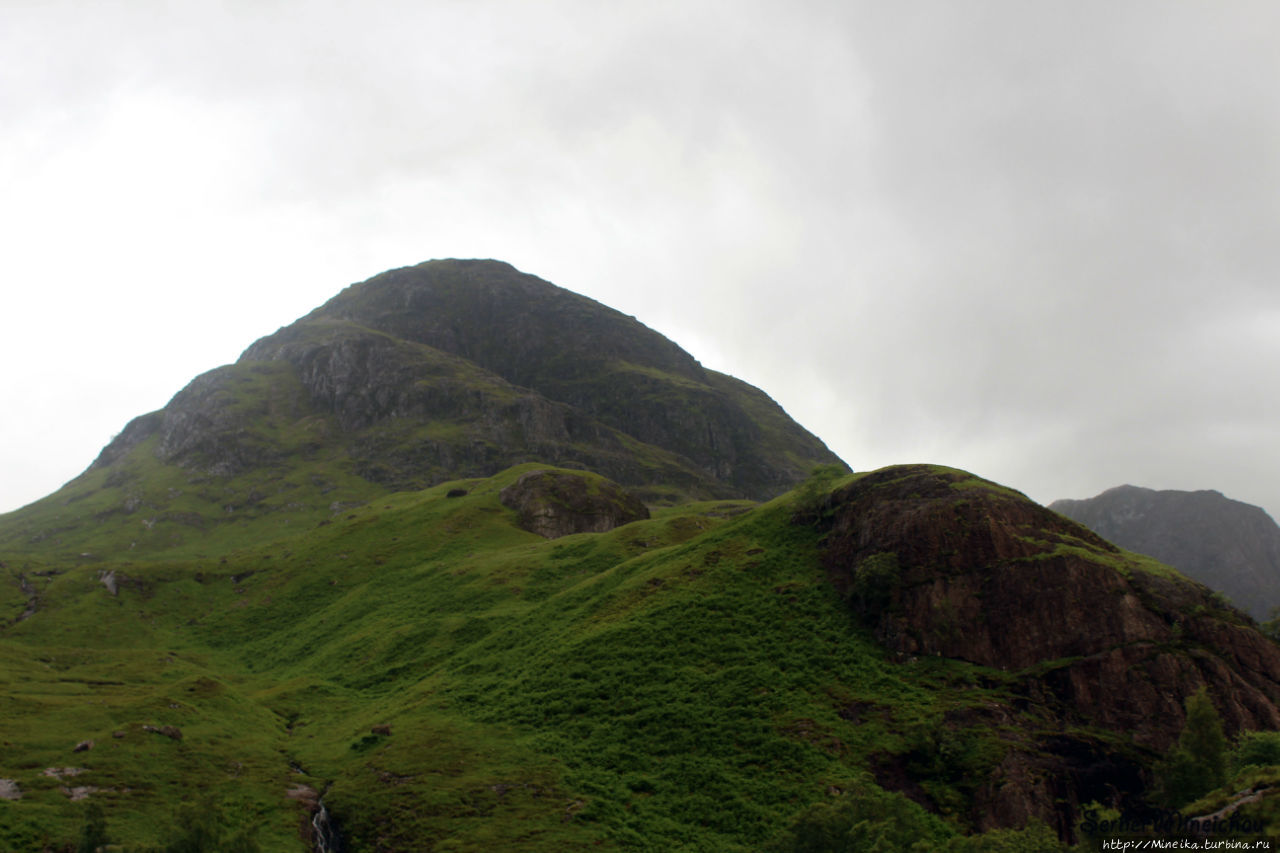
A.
x: 1035, y: 240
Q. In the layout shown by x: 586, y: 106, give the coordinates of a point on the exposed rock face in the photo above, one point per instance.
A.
x: 988, y: 576
x: 1230, y: 546
x: 304, y: 794
x: 941, y: 563
x: 558, y: 503
x: 221, y: 423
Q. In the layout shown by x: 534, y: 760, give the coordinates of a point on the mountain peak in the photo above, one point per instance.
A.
x: 445, y: 370
x: 598, y: 377
x: 487, y: 311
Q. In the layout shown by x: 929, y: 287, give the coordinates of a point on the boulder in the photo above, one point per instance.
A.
x: 558, y: 503
x: 168, y: 731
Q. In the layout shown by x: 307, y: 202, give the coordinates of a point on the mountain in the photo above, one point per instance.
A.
x: 443, y: 370
x: 460, y: 561
x: 1230, y: 546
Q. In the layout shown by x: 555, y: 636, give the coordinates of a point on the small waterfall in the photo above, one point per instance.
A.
x: 324, y: 831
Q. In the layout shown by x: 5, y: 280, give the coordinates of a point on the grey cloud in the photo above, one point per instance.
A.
x: 1038, y: 239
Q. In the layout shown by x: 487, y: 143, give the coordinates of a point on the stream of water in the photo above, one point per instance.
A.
x: 324, y: 833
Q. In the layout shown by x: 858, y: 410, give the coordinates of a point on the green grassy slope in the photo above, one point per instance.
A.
x: 689, y: 682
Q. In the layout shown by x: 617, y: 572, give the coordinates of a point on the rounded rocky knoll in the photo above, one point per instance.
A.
x: 939, y: 562
x: 559, y: 503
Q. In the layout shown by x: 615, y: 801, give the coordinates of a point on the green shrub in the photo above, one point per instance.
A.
x: 94, y: 834
x: 1035, y: 837
x: 200, y: 828
x: 873, y: 583
x: 1255, y: 749
x: 1198, y: 762
x: 866, y: 819
x: 812, y: 495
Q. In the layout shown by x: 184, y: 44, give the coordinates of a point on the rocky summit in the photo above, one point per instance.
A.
x: 463, y: 561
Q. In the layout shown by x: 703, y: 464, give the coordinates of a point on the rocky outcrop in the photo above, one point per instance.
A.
x: 171, y: 732
x: 938, y: 562
x: 1227, y: 545
x: 941, y: 563
x: 61, y: 772
x: 558, y: 503
x: 224, y: 422
x: 1050, y: 777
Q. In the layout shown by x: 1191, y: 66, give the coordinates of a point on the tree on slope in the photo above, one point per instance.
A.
x: 1198, y: 762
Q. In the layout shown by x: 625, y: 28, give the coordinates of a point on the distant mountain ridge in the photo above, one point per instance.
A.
x: 1229, y: 546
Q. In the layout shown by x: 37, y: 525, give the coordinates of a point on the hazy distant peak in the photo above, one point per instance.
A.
x: 1229, y: 545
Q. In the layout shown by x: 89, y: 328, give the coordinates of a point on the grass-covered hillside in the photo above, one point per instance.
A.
x: 689, y: 682
x: 444, y: 680
x: 301, y: 608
